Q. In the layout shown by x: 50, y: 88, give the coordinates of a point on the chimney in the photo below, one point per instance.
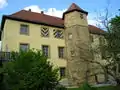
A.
x: 42, y: 12
x: 29, y: 10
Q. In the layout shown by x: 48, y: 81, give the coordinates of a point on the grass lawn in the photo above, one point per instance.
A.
x: 101, y: 88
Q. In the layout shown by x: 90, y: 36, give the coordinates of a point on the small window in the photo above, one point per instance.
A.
x: 24, y: 29
x: 45, y: 50
x: 62, y: 72
x: 72, y: 53
x: 91, y: 38
x: 24, y: 47
x: 69, y: 36
x: 61, y: 52
x: 44, y: 32
x: 58, y: 33
x: 81, y: 16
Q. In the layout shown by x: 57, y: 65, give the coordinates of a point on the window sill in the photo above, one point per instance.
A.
x: 62, y: 58
x: 25, y: 34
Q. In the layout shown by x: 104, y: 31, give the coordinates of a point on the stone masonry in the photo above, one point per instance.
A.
x: 77, y: 45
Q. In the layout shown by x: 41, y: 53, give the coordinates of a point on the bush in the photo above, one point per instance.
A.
x: 86, y: 86
x: 30, y: 71
x: 61, y: 88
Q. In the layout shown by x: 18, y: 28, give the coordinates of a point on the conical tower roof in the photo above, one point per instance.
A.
x: 74, y: 7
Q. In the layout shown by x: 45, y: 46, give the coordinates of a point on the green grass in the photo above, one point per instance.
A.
x: 100, y: 88
x: 109, y: 88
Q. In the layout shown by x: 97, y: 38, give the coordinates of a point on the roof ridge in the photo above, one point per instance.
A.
x: 16, y: 12
x: 74, y: 7
x: 36, y: 13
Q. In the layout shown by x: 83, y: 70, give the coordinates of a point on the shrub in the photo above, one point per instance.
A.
x: 86, y: 86
x: 61, y: 88
x: 30, y: 71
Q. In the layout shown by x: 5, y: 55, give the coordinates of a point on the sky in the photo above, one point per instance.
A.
x: 57, y: 7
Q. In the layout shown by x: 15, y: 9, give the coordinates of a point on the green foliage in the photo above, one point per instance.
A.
x: 112, y: 49
x: 61, y: 88
x: 100, y: 88
x: 115, y: 25
x: 86, y: 86
x: 113, y: 36
x: 30, y: 71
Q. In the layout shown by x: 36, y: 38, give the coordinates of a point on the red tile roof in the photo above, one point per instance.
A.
x: 74, y: 7
x: 95, y: 30
x: 40, y: 18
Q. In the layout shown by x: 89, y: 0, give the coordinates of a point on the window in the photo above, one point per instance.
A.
x: 91, y: 38
x: 62, y: 72
x: 24, y: 47
x: 45, y: 50
x: 72, y: 53
x: 81, y: 16
x: 61, y: 52
x: 58, y: 33
x: 69, y: 36
x: 24, y: 29
x: 44, y: 32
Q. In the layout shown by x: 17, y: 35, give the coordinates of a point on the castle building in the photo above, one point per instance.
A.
x: 58, y: 38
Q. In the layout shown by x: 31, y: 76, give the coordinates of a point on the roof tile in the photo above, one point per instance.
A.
x: 74, y: 7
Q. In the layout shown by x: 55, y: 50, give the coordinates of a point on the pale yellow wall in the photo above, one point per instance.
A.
x: 13, y: 38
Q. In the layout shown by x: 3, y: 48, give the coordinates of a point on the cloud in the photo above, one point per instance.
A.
x: 92, y: 19
x: 3, y: 3
x: 55, y: 12
x: 92, y: 22
x: 34, y: 8
x: 50, y: 11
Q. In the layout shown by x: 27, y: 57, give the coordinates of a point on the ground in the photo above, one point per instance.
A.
x: 101, y: 88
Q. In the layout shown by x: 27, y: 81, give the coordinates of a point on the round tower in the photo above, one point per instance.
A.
x: 77, y: 44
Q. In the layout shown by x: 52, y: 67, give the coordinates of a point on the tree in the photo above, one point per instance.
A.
x: 113, y: 49
x: 30, y: 71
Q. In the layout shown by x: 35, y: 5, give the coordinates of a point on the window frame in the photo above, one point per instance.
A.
x: 59, y: 52
x: 48, y: 50
x: 81, y: 15
x: 24, y: 33
x: 24, y: 44
x: 62, y: 74
x: 41, y: 32
x: 70, y: 36
x: 57, y: 31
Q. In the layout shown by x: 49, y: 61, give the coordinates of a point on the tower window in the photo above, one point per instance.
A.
x: 44, y: 32
x: 70, y: 36
x: 81, y: 16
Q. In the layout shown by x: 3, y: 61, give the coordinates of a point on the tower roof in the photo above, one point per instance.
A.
x: 74, y: 7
